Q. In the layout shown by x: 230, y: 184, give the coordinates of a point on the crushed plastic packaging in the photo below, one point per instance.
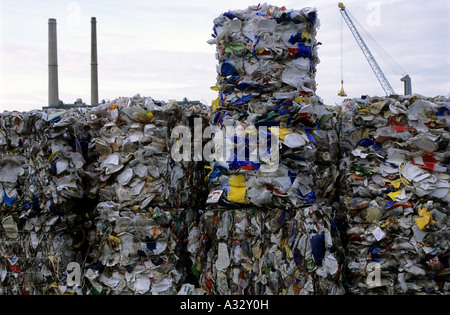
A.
x: 394, y: 192
x: 35, y: 255
x: 44, y: 159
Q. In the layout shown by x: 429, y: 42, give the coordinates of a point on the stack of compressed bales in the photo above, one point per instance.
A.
x: 266, y: 81
x: 267, y: 57
x: 69, y: 179
x: 45, y: 215
x: 269, y: 222
x: 145, y: 196
x: 395, y: 194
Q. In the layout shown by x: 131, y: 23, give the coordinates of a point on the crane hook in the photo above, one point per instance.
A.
x: 342, y: 92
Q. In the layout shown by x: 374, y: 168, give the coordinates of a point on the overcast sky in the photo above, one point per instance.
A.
x: 159, y: 48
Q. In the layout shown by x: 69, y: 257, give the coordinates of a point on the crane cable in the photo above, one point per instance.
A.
x: 381, y: 52
x: 342, y: 49
x: 342, y: 92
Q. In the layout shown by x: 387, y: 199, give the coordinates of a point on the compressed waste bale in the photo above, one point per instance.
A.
x: 264, y: 51
x: 395, y: 194
x: 43, y: 205
x: 285, y: 158
x: 58, y: 167
x: 133, y: 142
x: 135, y: 252
x: 43, y: 157
x: 270, y: 251
x: 36, y: 256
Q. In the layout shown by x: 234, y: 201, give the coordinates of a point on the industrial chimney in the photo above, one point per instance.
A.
x: 53, y: 98
x: 94, y: 63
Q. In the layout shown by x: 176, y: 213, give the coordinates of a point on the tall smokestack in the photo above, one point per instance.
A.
x: 94, y: 63
x: 53, y: 98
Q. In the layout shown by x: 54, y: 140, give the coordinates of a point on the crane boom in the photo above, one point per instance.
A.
x: 370, y: 58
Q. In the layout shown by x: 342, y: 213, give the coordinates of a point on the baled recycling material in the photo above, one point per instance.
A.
x: 135, y: 251
x: 134, y: 144
x: 283, y: 195
x: 270, y: 227
x: 296, y: 168
x: 44, y: 162
x: 395, y: 194
x: 267, y: 59
x: 266, y: 54
x: 267, y: 251
x: 96, y: 187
